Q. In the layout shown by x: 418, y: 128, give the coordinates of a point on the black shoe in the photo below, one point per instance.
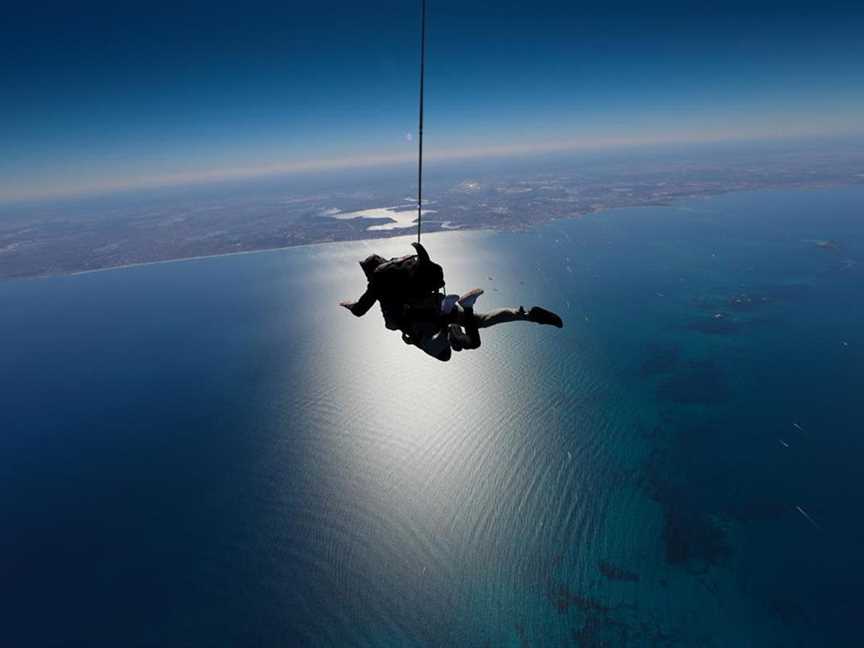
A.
x: 543, y: 316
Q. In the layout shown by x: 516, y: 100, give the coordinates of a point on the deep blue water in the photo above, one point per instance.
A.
x: 213, y: 453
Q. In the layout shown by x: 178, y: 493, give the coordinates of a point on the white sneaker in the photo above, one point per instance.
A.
x: 467, y: 300
x: 448, y: 303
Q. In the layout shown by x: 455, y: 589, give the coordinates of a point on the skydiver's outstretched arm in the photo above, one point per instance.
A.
x: 362, y: 305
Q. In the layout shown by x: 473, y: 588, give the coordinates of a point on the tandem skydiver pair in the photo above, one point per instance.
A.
x: 409, y: 291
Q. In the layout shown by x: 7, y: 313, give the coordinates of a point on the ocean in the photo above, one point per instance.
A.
x: 213, y: 453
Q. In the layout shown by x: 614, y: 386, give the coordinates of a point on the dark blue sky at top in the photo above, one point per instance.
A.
x: 117, y: 94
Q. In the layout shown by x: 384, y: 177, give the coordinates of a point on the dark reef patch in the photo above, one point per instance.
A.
x: 603, y: 625
x: 563, y: 598
x: 682, y: 474
x: 616, y: 573
x: 693, y: 536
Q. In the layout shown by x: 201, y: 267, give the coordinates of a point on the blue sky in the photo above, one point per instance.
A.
x: 96, y: 97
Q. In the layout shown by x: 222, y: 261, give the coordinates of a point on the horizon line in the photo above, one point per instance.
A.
x: 216, y: 176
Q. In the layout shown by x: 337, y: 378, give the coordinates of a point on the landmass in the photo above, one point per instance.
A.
x: 100, y: 233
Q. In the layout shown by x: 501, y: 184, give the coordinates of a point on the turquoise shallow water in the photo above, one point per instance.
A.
x: 213, y: 453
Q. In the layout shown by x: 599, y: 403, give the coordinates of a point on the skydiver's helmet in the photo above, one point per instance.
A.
x: 370, y: 264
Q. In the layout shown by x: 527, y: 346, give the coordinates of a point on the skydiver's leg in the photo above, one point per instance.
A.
x: 465, y: 323
x: 504, y: 315
x: 459, y: 340
x: 429, y: 337
x: 467, y: 320
x: 500, y: 316
x: 462, y: 331
x: 438, y: 345
x: 362, y: 305
x: 472, y: 322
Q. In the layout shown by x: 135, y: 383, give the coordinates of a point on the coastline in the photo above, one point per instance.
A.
x: 444, y: 230
x: 202, y: 257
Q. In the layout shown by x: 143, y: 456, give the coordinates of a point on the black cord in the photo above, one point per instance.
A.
x: 420, y: 130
